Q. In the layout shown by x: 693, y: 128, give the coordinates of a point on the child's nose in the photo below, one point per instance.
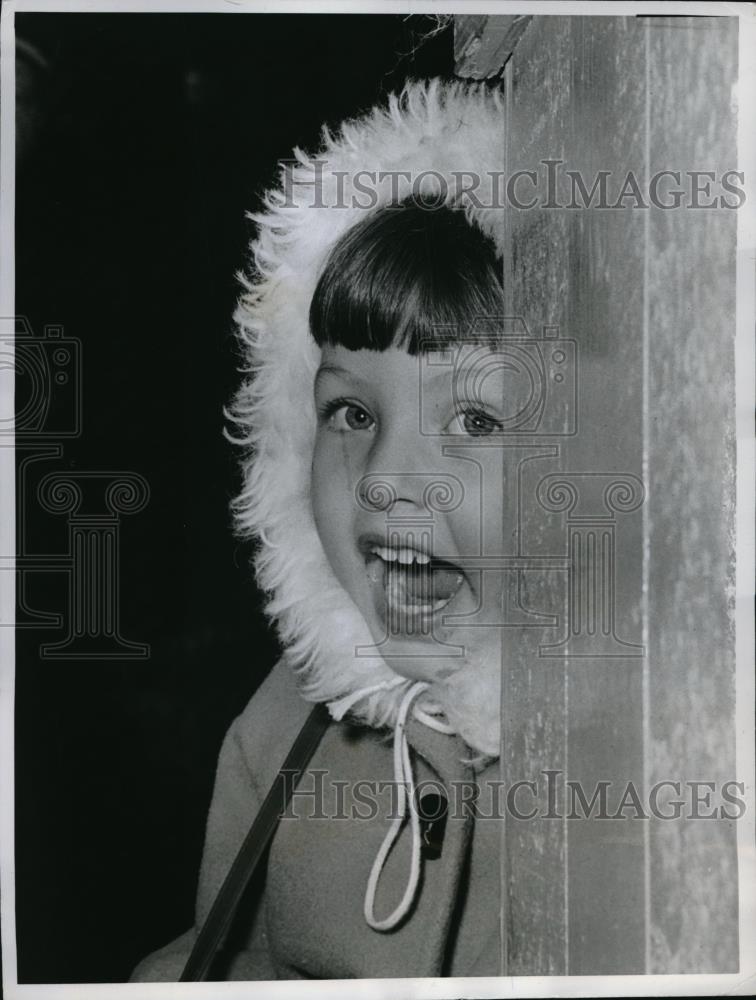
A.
x: 404, y: 470
x: 389, y: 492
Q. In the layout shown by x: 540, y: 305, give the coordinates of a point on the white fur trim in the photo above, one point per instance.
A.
x: 439, y: 127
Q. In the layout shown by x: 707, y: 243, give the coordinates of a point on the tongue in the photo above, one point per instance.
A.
x: 424, y: 584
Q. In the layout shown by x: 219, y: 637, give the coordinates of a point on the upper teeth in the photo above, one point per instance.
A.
x: 403, y: 555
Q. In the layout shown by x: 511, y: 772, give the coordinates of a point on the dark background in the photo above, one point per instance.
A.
x: 141, y: 143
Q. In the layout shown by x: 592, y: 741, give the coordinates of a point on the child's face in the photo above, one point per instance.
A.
x: 390, y: 426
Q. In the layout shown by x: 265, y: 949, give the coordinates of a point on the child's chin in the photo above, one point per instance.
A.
x: 416, y: 666
x: 467, y: 689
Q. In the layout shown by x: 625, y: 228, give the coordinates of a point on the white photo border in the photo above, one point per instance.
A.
x: 422, y: 989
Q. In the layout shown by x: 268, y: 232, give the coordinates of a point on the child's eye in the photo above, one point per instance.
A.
x: 476, y: 423
x: 343, y: 415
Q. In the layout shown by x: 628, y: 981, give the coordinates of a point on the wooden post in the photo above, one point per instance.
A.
x: 647, y: 294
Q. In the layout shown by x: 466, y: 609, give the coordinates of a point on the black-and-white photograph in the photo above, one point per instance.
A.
x: 376, y: 429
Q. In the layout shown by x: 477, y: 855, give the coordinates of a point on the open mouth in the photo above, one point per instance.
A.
x: 410, y: 586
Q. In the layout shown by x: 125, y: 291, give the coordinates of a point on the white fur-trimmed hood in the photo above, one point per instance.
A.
x: 448, y: 132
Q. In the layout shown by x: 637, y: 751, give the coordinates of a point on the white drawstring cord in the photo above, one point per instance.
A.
x: 341, y: 706
x: 428, y: 719
x: 405, y: 781
x: 406, y: 785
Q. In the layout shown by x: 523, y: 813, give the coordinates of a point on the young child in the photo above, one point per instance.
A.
x: 373, y: 482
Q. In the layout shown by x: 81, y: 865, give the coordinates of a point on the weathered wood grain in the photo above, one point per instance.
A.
x: 648, y: 296
x: 691, y: 323
x: 483, y: 44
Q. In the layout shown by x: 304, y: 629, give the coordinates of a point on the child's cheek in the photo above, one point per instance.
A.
x: 332, y: 501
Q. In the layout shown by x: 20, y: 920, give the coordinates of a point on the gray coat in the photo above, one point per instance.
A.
x: 308, y: 920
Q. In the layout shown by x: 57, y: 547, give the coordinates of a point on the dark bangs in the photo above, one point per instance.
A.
x: 405, y: 275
